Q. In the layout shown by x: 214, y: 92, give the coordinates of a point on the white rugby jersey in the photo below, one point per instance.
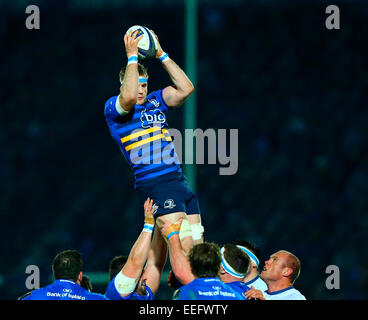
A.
x: 257, y: 283
x: 286, y: 294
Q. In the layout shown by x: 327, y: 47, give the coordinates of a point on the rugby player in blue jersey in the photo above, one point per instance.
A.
x: 254, y: 254
x: 137, y: 122
x: 199, y: 272
x: 67, y: 270
x: 128, y: 284
x: 235, y: 266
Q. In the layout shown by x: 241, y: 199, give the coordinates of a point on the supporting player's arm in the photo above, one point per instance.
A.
x: 155, y: 264
x: 126, y: 280
x: 179, y: 261
x: 176, y: 94
x: 129, y: 88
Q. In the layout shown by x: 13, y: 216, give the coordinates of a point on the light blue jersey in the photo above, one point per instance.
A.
x: 289, y: 293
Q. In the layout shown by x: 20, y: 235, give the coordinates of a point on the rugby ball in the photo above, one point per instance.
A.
x: 147, y: 46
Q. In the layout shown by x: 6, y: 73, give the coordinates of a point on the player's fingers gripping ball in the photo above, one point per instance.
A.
x: 147, y: 44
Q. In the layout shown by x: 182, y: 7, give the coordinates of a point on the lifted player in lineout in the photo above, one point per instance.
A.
x: 137, y: 122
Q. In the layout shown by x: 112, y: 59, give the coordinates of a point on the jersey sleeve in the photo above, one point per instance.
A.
x: 157, y: 99
x: 135, y: 296
x: 113, y: 294
x: 26, y: 296
x: 111, y: 112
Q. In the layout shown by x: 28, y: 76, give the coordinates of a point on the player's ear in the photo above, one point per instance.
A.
x: 80, y: 277
x: 222, y: 270
x: 287, y: 272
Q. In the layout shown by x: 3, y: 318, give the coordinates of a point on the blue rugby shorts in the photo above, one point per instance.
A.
x: 171, y: 193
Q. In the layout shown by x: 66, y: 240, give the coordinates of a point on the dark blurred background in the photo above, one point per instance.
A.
x: 295, y: 91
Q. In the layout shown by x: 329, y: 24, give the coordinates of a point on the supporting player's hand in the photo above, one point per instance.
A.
x: 167, y: 227
x: 172, y: 281
x: 149, y: 211
x: 254, y: 294
x: 159, y: 49
x: 131, y: 43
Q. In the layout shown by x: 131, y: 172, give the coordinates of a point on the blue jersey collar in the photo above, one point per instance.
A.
x: 277, y: 292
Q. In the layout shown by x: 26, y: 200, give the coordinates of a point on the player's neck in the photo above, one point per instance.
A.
x: 252, y: 275
x: 274, y: 286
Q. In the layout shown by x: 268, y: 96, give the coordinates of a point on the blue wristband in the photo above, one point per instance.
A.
x: 132, y: 59
x: 148, y: 227
x: 164, y: 57
x: 171, y: 234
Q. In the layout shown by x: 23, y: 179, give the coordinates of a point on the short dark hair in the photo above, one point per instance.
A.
x: 205, y: 260
x: 67, y: 265
x: 249, y: 245
x: 236, y: 258
x: 116, y: 264
x: 142, y: 71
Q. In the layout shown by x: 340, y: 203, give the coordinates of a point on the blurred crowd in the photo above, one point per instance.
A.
x: 293, y: 89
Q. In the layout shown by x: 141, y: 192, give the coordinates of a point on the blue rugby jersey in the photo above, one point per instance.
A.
x: 113, y: 294
x: 64, y: 290
x: 207, y: 289
x: 143, y: 137
x: 239, y: 286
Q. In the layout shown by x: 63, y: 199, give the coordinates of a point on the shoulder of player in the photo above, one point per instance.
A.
x: 156, y: 96
x: 296, y: 294
x: 110, y: 101
x: 96, y: 296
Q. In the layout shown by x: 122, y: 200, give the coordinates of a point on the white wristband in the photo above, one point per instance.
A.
x: 132, y: 59
x: 148, y: 228
x: 164, y: 57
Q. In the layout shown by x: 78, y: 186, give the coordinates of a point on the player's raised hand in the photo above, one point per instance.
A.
x: 168, y: 227
x: 254, y: 294
x: 131, y: 43
x: 159, y: 49
x: 149, y: 211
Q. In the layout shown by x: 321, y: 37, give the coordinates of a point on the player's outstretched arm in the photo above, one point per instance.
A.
x: 139, y: 252
x: 179, y: 262
x: 156, y: 260
x: 175, y: 95
x: 129, y: 89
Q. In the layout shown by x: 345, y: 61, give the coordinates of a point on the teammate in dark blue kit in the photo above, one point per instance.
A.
x: 235, y: 266
x: 137, y: 122
x: 198, y: 272
x: 127, y: 283
x: 67, y: 271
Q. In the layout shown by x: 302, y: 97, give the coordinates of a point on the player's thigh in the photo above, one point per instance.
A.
x: 185, y: 232
x: 172, y: 217
x: 194, y: 218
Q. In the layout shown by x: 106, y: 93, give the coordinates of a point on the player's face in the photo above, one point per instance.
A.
x: 274, y: 267
x: 142, y: 93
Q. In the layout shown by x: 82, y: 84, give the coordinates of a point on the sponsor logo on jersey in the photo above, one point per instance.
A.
x: 169, y: 204
x: 152, y: 118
